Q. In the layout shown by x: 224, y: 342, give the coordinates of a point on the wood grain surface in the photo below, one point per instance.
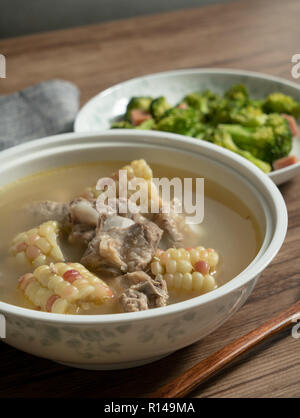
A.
x: 259, y: 35
x: 189, y: 380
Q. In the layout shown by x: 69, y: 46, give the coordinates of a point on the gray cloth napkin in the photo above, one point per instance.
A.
x: 44, y: 109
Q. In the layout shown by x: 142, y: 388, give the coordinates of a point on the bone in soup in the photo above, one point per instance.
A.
x: 59, y: 253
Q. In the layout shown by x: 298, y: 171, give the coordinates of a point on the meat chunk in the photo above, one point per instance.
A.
x: 83, y: 220
x: 167, y: 222
x: 122, y: 245
x: 142, y: 292
x: 92, y: 256
x: 79, y: 216
x: 172, y: 223
x: 140, y: 244
x: 48, y: 210
x: 133, y: 301
x: 81, y: 234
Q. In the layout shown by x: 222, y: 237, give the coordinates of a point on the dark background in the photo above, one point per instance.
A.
x: 22, y: 17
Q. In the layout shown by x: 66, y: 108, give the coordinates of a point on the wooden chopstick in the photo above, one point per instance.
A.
x: 206, y: 368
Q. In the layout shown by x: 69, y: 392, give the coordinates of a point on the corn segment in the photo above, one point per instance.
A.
x: 64, y: 288
x: 136, y: 169
x: 37, y: 246
x: 188, y: 269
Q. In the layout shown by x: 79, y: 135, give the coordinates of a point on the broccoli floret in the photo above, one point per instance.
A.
x: 248, y: 116
x: 147, y: 125
x: 283, y: 134
x: 202, y: 131
x: 198, y: 101
x: 141, y: 103
x: 158, y: 107
x: 267, y: 143
x: 252, y: 128
x: 238, y: 93
x: 210, y: 96
x: 225, y: 140
x: 257, y: 103
x: 236, y: 107
x: 220, y: 111
x: 281, y: 103
x: 179, y: 121
x: 122, y: 124
x: 258, y: 141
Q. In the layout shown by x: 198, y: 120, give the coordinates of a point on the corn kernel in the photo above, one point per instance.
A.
x: 43, y: 245
x: 52, y: 238
x: 169, y: 278
x: 178, y: 280
x: 56, y: 254
x: 203, y: 254
x: 45, y: 229
x: 209, y: 283
x: 85, y: 291
x: 171, y: 266
x: 61, y: 268
x: 194, y: 256
x: 32, y: 239
x: 213, y: 258
x: 59, y: 306
x: 39, y: 261
x: 32, y: 232
x: 197, y: 281
x: 32, y: 252
x: 202, y: 267
x: 22, y: 260
x: 41, y: 273
x: 174, y: 253
x: 185, y: 255
x: 184, y: 266
x: 156, y: 268
x: 187, y: 281
x: 165, y: 257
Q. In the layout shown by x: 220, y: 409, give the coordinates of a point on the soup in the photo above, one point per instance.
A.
x: 82, y: 261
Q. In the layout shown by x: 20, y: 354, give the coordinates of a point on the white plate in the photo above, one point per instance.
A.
x: 100, y: 111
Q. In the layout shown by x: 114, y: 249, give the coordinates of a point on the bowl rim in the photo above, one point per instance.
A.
x: 209, y: 70
x: 182, y: 142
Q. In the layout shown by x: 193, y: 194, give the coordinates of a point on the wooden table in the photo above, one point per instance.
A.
x: 254, y: 35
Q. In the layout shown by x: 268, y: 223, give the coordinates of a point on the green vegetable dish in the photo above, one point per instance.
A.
x: 259, y: 130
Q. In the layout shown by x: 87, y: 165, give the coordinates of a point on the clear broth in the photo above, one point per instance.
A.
x: 228, y: 226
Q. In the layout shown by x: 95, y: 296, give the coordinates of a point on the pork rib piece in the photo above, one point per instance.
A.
x: 83, y: 220
x: 142, y: 292
x: 122, y: 245
x: 172, y: 223
x: 79, y: 216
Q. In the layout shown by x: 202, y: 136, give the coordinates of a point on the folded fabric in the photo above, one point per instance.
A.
x: 44, y: 109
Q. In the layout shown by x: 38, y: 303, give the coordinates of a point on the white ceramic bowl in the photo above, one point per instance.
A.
x: 111, y: 103
x: 131, y: 339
